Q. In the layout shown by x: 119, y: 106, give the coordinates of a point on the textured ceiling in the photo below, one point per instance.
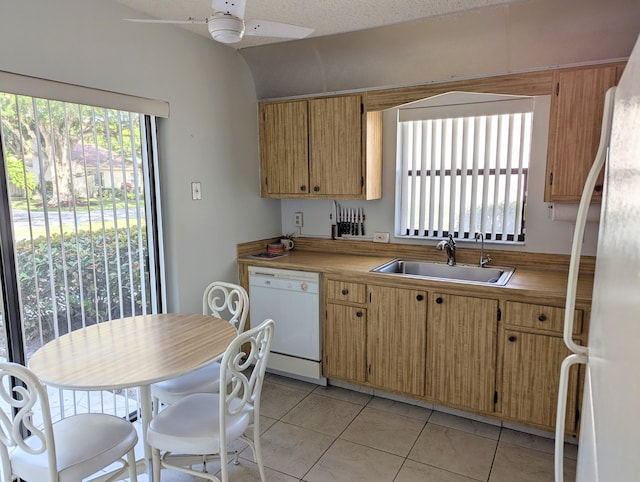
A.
x: 327, y: 17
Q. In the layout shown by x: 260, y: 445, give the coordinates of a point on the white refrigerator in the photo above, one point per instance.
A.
x: 609, y: 442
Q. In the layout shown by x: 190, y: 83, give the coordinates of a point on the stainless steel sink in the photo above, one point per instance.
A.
x: 460, y: 272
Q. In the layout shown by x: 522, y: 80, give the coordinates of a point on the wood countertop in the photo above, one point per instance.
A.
x: 526, y: 284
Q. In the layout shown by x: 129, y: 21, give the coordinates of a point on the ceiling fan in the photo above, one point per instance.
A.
x: 227, y: 24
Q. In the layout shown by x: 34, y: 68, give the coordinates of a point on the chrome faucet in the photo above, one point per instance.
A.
x: 448, y: 245
x: 483, y: 260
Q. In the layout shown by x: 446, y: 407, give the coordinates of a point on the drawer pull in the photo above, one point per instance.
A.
x: 419, y: 297
x: 359, y: 314
x: 542, y: 318
x: 345, y: 291
x: 439, y: 300
x: 513, y: 338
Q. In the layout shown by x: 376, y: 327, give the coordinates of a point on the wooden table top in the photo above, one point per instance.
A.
x: 131, y: 351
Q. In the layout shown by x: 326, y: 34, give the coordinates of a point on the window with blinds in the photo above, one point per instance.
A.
x: 463, y: 170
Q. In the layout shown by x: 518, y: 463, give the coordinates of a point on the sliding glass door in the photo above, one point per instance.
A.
x: 78, y: 221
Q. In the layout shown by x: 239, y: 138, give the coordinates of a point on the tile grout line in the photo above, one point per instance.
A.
x: 335, y: 439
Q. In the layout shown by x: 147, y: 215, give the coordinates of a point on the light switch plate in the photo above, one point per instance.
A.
x: 196, y: 193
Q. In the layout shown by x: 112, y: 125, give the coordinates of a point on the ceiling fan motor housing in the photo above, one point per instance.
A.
x: 226, y: 28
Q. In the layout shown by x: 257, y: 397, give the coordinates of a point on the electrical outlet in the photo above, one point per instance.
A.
x: 380, y: 237
x: 297, y: 220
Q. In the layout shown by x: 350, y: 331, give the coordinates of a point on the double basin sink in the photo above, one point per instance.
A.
x: 495, y: 276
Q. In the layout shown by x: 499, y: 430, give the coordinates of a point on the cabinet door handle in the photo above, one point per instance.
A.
x: 598, y: 188
x: 316, y: 188
x: 419, y: 297
x: 439, y: 300
x: 542, y: 318
x: 513, y: 338
x: 345, y: 291
x: 359, y: 314
x: 303, y: 188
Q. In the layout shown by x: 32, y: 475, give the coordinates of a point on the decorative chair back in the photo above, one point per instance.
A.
x: 227, y: 301
x: 17, y: 417
x: 246, y: 383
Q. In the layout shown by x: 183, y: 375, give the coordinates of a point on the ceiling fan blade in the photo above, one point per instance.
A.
x: 233, y: 7
x: 150, y: 20
x: 267, y: 28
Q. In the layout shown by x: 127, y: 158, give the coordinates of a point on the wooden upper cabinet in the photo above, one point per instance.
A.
x: 396, y: 339
x: 327, y: 148
x: 284, y: 147
x: 335, y: 137
x: 461, y: 351
x: 577, y: 104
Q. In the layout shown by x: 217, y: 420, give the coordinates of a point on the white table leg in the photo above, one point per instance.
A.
x: 145, y: 407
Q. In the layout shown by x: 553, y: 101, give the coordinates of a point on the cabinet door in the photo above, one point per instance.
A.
x: 461, y: 352
x: 335, y: 139
x: 574, y: 129
x: 284, y: 148
x: 345, y: 343
x: 396, y: 331
x: 531, y: 373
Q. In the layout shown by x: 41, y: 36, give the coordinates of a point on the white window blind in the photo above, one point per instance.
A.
x: 463, y: 169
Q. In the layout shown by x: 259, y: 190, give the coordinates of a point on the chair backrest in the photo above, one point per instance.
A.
x: 227, y: 301
x: 246, y: 384
x: 20, y: 405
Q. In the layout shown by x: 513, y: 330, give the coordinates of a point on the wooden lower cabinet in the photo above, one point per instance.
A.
x: 443, y: 348
x: 461, y: 351
x: 396, y: 339
x: 530, y: 376
x: 345, y: 337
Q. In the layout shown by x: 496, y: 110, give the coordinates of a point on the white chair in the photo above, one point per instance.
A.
x: 203, y: 424
x: 68, y: 450
x: 223, y: 300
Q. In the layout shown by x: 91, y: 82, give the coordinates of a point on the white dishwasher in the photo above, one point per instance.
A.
x: 292, y: 299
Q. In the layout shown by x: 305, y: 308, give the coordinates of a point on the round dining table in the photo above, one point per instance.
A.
x: 132, y: 352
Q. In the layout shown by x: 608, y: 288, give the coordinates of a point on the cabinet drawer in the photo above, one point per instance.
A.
x: 345, y: 291
x: 540, y: 316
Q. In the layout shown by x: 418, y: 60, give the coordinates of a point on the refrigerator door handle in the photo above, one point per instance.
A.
x: 567, y: 363
x: 581, y: 219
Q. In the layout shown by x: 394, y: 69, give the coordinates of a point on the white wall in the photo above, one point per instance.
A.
x: 542, y: 235
x: 211, y: 135
x: 532, y: 34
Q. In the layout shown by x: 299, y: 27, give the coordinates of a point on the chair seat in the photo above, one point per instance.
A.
x: 191, y: 425
x: 85, y: 444
x: 203, y: 380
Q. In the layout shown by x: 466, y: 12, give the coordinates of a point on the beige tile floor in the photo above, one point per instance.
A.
x: 321, y: 434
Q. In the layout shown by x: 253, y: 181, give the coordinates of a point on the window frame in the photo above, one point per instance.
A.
x: 457, y: 105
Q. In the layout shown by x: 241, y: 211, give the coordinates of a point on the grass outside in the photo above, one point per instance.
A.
x: 20, y: 203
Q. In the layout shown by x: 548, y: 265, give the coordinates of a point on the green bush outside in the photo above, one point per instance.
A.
x: 86, y: 271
